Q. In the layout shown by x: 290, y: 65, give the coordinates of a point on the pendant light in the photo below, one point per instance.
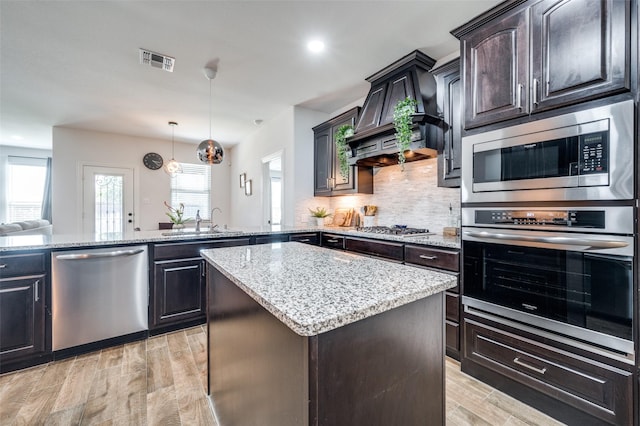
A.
x: 172, y: 167
x: 210, y: 151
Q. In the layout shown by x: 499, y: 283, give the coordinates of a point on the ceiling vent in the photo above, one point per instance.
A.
x: 157, y: 60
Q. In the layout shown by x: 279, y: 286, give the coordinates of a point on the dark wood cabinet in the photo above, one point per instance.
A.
x: 386, y: 249
x: 496, y: 69
x: 571, y: 387
x: 273, y: 238
x: 312, y: 238
x: 177, y: 291
x: 450, y: 106
x: 25, y: 327
x: 578, y: 50
x: 332, y: 241
x: 328, y: 181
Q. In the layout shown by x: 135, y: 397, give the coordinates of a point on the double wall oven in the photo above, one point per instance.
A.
x: 549, y: 223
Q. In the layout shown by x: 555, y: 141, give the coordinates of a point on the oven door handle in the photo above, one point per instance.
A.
x: 565, y: 241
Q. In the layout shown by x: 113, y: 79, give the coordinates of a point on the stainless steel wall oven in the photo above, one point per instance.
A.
x: 565, y: 272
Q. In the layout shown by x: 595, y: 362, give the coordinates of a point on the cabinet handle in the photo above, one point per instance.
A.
x: 332, y: 241
x: 543, y: 370
x: 424, y: 256
x: 305, y: 240
x: 37, y: 286
x: 534, y: 92
x: 519, y: 97
x: 2, y: 266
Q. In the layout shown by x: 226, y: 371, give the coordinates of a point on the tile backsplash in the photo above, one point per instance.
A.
x: 410, y: 197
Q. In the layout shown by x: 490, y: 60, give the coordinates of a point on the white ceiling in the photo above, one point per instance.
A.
x: 75, y: 63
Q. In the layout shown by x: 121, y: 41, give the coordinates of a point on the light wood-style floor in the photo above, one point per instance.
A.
x: 162, y: 381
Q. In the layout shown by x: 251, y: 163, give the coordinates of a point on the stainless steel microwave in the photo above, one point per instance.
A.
x: 585, y: 155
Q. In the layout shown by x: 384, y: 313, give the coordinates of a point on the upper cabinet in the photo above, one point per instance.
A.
x: 328, y: 181
x: 525, y: 57
x: 450, y: 106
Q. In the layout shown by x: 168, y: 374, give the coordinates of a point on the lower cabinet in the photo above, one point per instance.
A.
x: 385, y: 249
x: 574, y: 388
x: 24, y: 323
x: 312, y: 238
x: 179, y: 291
x: 177, y: 297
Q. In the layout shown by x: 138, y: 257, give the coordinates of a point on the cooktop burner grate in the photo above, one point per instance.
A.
x: 392, y: 230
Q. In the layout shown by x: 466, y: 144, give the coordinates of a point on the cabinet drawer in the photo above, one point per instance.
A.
x: 452, y: 306
x: 192, y: 249
x: 601, y: 390
x: 332, y: 241
x: 389, y: 250
x: 434, y: 258
x: 311, y: 238
x: 268, y: 239
x: 22, y: 264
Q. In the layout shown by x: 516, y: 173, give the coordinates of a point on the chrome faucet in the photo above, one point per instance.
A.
x: 211, y: 225
x: 198, y: 220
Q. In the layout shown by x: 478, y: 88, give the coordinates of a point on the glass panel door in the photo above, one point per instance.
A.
x: 108, y: 200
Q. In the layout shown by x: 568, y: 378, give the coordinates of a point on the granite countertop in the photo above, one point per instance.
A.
x: 64, y: 241
x: 314, y: 290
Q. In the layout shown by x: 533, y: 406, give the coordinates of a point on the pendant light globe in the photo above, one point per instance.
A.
x: 210, y: 151
x: 172, y: 167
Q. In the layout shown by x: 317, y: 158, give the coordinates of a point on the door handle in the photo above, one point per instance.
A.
x: 569, y: 241
x: 84, y: 256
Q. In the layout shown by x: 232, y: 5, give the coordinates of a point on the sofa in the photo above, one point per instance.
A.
x: 27, y: 227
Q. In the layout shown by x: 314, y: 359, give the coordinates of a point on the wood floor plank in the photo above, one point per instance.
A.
x: 38, y: 406
x: 521, y: 410
x: 195, y: 410
x: 186, y: 376
x: 70, y: 416
x: 111, y: 357
x: 134, y: 358
x: 159, y: 373
x: 156, y: 342
x: 162, y: 407
x: 102, y: 402
x: 463, y: 417
x: 56, y: 373
x: 76, y: 387
x: 177, y: 342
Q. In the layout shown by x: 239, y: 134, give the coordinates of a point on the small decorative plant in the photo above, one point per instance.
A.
x: 320, y: 212
x: 176, y: 216
x: 342, y: 147
x: 402, y: 121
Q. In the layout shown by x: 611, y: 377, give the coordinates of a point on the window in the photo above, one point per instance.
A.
x: 25, y: 187
x: 192, y: 188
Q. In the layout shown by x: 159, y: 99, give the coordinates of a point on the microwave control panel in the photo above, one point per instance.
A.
x: 594, y: 153
x: 571, y: 218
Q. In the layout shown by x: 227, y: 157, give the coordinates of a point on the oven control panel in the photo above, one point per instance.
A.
x: 570, y: 218
x: 594, y: 152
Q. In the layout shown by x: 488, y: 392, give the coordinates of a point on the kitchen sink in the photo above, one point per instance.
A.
x: 191, y: 233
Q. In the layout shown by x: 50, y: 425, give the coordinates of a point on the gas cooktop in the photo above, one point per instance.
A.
x: 394, y: 230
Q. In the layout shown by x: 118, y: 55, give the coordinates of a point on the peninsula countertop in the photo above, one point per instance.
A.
x: 65, y: 241
x: 313, y: 290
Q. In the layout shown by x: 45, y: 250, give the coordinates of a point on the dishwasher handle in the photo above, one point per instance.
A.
x: 110, y: 254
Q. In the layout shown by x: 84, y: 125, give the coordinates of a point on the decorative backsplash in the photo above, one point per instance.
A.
x: 410, y: 198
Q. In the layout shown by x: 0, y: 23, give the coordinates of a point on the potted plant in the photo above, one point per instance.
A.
x: 320, y: 213
x: 402, y: 121
x: 176, y: 216
x: 343, y: 148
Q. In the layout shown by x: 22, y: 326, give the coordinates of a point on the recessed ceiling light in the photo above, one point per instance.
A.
x: 315, y: 46
x: 17, y: 137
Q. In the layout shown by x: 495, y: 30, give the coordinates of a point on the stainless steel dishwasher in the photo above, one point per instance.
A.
x: 98, y: 294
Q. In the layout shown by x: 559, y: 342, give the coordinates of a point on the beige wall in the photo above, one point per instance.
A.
x: 73, y: 148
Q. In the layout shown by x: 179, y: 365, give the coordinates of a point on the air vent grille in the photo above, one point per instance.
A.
x: 157, y: 60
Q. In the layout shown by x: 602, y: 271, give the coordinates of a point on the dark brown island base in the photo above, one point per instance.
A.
x: 300, y: 335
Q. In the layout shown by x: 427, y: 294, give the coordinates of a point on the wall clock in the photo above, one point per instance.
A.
x: 152, y: 161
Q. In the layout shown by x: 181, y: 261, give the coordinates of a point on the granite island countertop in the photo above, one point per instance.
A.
x: 67, y: 241
x: 313, y: 290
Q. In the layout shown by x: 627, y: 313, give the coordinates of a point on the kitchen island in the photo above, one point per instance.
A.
x: 304, y: 335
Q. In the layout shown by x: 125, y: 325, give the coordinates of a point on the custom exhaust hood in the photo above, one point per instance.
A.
x: 374, y: 142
